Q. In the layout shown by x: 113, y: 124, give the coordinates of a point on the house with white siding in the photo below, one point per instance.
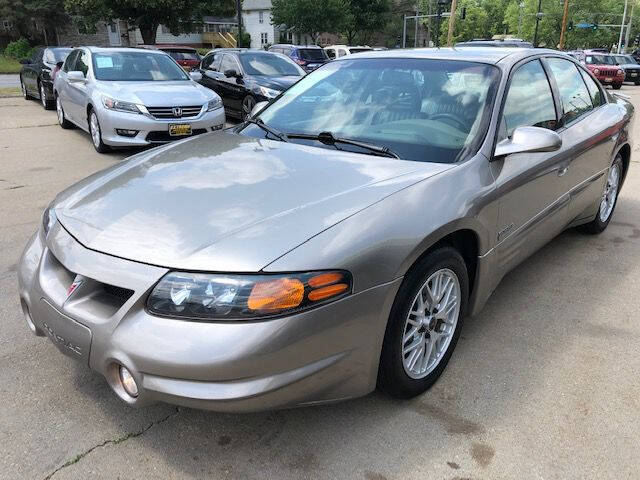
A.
x: 257, y: 22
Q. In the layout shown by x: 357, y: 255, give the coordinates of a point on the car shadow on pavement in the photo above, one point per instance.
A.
x: 544, y: 321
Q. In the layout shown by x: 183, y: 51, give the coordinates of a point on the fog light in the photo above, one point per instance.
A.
x: 217, y: 127
x: 126, y: 133
x: 128, y: 382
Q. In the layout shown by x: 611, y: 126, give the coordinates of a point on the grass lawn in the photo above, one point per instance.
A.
x: 10, y: 92
x: 9, y: 65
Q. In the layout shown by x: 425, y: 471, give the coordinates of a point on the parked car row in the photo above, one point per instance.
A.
x: 609, y: 69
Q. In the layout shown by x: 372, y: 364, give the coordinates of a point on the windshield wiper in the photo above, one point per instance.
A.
x: 328, y: 139
x: 270, y: 130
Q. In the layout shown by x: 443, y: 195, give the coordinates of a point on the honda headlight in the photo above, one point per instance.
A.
x: 120, y: 106
x: 269, y: 92
x: 48, y: 220
x: 214, y: 104
x: 205, y: 296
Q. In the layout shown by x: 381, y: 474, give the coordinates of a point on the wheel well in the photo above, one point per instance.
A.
x: 466, y: 243
x: 89, y: 108
x: 625, y: 152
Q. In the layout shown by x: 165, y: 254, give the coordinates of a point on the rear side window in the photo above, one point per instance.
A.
x: 574, y: 95
x: 529, y: 101
x: 597, y: 98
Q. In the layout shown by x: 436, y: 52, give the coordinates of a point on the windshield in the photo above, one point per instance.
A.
x: 183, y: 54
x: 424, y: 110
x: 269, y: 64
x: 625, y: 60
x: 600, y: 60
x: 136, y: 67
x: 312, y: 54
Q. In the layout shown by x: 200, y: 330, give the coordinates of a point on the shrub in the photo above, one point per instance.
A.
x: 18, y: 49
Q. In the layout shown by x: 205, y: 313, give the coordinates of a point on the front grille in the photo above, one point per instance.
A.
x: 608, y: 72
x: 168, y: 112
x: 118, y: 292
x: 163, y: 136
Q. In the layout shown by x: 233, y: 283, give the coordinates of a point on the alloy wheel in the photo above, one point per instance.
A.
x: 59, y: 111
x: 43, y: 96
x: 610, y: 192
x: 94, y: 127
x: 431, y: 323
x: 24, y: 90
x: 247, y: 106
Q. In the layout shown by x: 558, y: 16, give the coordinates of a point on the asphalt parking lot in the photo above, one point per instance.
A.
x: 543, y: 384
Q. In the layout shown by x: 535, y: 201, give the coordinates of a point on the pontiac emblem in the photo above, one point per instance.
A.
x: 74, y: 285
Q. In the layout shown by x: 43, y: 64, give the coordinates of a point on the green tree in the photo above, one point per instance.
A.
x: 22, y: 13
x: 311, y: 17
x: 179, y: 16
x: 363, y: 18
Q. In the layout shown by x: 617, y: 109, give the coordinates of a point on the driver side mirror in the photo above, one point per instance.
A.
x: 529, y: 140
x: 76, y: 76
x: 232, y: 73
x: 257, y: 108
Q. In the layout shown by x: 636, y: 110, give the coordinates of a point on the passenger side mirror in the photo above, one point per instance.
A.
x: 529, y: 140
x: 196, y: 76
x: 76, y: 77
x: 257, y: 108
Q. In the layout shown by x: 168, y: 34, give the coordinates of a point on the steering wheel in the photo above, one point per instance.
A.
x: 451, y: 120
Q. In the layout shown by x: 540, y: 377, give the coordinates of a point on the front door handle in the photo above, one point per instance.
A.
x: 562, y: 171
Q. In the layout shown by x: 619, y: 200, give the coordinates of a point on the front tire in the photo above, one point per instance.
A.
x: 25, y: 94
x: 608, y: 200
x: 96, y: 133
x: 617, y: 86
x: 46, y: 104
x: 424, y: 324
x: 62, y: 119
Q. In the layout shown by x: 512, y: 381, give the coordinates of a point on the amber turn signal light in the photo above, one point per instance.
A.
x: 277, y: 294
x: 327, y: 292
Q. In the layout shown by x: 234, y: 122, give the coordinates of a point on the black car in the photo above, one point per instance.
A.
x: 38, y: 73
x: 244, y: 78
x: 630, y: 66
x: 308, y: 57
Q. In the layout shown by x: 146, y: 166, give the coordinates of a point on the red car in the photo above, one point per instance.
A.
x: 605, y: 68
x: 187, y: 57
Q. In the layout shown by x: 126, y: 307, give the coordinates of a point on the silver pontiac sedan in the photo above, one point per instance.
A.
x: 334, y: 242
x: 133, y: 97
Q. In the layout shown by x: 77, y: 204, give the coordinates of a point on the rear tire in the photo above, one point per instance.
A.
x: 96, y: 133
x: 417, y: 318
x: 608, y: 200
x: 25, y: 94
x: 636, y: 82
x: 62, y: 119
x: 46, y: 104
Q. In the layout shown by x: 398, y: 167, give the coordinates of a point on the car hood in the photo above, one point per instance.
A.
x: 277, y: 83
x: 155, y: 94
x: 225, y: 202
x: 630, y: 66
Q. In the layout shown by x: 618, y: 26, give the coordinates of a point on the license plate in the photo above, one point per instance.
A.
x: 634, y: 74
x: 608, y: 79
x: 69, y: 336
x: 179, y: 129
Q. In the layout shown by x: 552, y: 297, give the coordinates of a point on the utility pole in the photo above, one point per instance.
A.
x: 239, y: 12
x: 521, y: 5
x: 404, y: 30
x: 535, y: 35
x: 565, y: 13
x: 624, y: 18
x: 415, y: 31
x: 626, y: 38
x: 452, y: 20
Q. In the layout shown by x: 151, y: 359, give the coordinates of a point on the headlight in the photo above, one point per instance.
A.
x: 213, y: 104
x: 269, y: 92
x: 120, y: 106
x: 48, y: 220
x: 596, y: 71
x: 240, y: 297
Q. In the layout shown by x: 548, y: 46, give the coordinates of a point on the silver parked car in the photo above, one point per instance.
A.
x: 335, y: 242
x: 133, y: 97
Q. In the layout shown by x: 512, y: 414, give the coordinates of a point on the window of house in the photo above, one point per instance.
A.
x: 7, y: 24
x: 261, y: 16
x: 529, y: 101
x: 264, y: 39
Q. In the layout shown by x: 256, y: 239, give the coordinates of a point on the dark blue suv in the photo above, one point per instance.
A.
x: 309, y: 57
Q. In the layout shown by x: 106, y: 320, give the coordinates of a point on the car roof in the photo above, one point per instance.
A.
x: 122, y: 49
x: 288, y: 45
x: 489, y: 55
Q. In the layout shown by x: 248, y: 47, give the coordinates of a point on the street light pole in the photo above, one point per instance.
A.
x: 624, y: 18
x: 627, y: 33
x: 535, y: 35
x: 239, y: 12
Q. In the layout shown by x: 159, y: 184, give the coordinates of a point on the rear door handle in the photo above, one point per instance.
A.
x: 562, y: 171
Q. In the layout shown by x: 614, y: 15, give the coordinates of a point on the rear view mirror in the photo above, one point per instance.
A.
x: 257, y: 108
x: 529, y: 140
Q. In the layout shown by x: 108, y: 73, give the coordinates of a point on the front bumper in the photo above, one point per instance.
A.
x: 615, y: 80
x: 323, y: 355
x: 151, y: 130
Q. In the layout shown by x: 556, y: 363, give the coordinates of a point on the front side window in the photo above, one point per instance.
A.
x: 597, y: 98
x: 268, y: 64
x: 574, y: 95
x: 70, y: 62
x: 136, y: 67
x: 422, y: 109
x: 229, y: 63
x: 82, y: 63
x: 529, y: 101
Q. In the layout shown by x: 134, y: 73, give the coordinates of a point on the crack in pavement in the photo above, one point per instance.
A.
x: 30, y: 126
x: 115, y: 441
